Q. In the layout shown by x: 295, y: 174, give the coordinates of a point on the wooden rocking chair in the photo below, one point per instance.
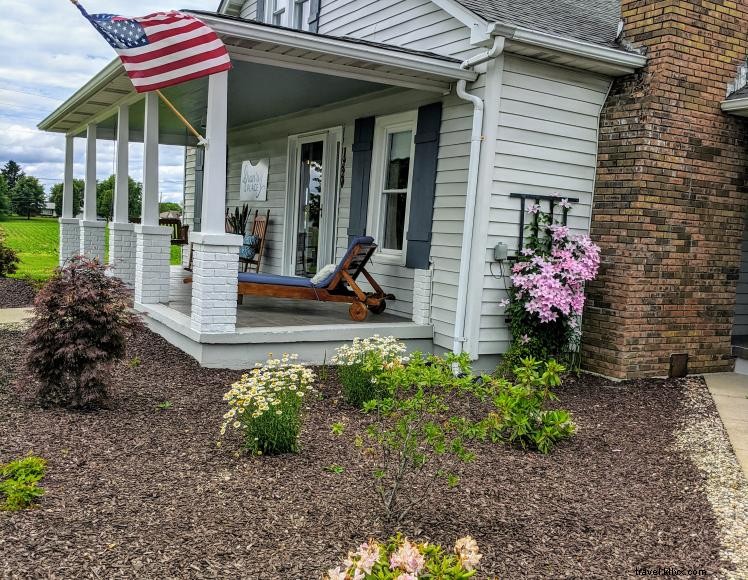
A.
x: 259, y: 231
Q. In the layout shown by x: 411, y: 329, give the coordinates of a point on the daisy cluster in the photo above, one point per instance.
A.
x: 387, y: 351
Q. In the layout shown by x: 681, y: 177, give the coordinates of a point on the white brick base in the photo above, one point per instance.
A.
x: 215, y: 265
x: 122, y: 243
x: 152, y: 251
x: 422, y: 296
x: 70, y: 239
x: 92, y: 239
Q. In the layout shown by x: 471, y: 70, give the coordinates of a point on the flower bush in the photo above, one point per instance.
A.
x: 547, y: 297
x: 400, y: 559
x: 265, y: 405
x: 362, y: 363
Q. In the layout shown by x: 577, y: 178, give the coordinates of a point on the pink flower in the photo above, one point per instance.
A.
x: 336, y: 574
x: 504, y: 303
x: 534, y: 209
x: 407, y: 577
x: 528, y: 252
x: 407, y: 558
x: 525, y: 339
x: 369, y: 554
x: 565, y: 204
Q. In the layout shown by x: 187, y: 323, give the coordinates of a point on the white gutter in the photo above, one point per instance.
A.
x: 735, y: 106
x: 476, y: 140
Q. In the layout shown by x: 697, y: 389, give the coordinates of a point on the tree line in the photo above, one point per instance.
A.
x: 23, y: 195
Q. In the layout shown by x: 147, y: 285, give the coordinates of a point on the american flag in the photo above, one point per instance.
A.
x: 162, y: 49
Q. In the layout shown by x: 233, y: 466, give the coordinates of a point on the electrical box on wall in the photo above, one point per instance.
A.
x: 500, y: 252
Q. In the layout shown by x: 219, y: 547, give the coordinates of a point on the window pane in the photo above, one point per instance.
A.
x: 398, y: 161
x: 394, y: 220
x: 301, y: 14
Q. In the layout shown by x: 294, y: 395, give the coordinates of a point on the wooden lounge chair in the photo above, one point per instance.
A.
x: 339, y: 286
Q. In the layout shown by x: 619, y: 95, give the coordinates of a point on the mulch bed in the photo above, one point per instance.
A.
x: 139, y: 492
x: 16, y: 293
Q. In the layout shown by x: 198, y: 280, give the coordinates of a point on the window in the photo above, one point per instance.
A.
x: 292, y: 13
x: 391, y: 183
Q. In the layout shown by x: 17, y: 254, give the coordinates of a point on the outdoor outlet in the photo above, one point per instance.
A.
x: 500, y: 252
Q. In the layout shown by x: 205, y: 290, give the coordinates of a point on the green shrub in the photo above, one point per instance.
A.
x: 8, y: 259
x: 19, y: 481
x: 520, y: 417
x: 266, y: 404
x: 413, y: 441
x: 81, y: 321
x: 399, y: 558
x: 361, y: 364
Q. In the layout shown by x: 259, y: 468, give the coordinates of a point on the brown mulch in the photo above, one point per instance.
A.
x: 139, y: 492
x: 16, y: 293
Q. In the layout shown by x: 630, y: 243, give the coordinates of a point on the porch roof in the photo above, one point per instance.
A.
x: 359, y: 66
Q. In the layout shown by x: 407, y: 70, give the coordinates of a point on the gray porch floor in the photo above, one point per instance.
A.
x: 260, y: 311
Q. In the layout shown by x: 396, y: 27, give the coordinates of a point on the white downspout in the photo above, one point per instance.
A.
x: 476, y: 141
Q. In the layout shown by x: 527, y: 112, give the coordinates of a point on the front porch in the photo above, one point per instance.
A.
x: 313, y: 330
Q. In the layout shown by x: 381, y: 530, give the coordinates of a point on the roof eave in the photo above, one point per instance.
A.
x: 737, y: 107
x: 104, y: 77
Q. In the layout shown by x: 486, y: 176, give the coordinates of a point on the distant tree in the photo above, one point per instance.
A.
x: 27, y: 197
x: 4, y: 197
x: 105, y: 197
x: 169, y: 206
x: 55, y: 196
x: 12, y: 173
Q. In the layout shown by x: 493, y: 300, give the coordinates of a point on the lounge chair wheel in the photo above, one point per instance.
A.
x: 358, y: 311
x: 378, y: 308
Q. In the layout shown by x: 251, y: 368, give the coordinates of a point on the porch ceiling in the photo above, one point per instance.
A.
x: 276, y: 71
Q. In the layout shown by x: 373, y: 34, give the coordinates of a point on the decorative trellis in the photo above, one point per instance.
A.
x: 551, y: 199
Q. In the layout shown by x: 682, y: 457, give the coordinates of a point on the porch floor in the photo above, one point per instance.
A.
x: 264, y: 312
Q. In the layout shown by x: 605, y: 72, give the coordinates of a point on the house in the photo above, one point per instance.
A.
x: 49, y: 210
x: 424, y: 123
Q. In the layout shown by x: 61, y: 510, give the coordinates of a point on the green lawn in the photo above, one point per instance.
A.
x: 36, y: 241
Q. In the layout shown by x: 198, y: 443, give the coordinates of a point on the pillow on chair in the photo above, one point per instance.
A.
x: 323, y: 273
x: 249, y: 248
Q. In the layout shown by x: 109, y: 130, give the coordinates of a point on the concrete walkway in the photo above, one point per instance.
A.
x: 730, y: 394
x: 15, y: 315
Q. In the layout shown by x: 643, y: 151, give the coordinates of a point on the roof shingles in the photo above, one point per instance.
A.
x: 594, y: 21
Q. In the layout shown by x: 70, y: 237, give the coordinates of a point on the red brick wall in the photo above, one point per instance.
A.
x: 671, y: 193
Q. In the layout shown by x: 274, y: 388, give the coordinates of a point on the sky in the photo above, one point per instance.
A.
x: 47, y: 52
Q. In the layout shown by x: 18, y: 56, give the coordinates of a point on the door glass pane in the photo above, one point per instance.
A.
x: 310, y: 203
x: 394, y: 220
x: 398, y: 160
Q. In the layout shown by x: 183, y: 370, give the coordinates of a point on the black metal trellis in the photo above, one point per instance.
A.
x: 552, y: 199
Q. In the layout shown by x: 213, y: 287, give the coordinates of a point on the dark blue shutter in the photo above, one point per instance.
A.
x: 314, y: 9
x: 260, y: 16
x: 199, y: 172
x: 424, y: 186
x: 363, y: 145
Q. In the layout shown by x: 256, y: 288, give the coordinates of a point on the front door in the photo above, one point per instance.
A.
x: 313, y: 201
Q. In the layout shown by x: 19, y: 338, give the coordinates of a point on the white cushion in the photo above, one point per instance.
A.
x: 323, y: 273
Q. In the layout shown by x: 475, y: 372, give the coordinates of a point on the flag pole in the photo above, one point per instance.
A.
x: 201, y: 140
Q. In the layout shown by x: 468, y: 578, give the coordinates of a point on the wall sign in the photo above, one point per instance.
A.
x: 254, y: 182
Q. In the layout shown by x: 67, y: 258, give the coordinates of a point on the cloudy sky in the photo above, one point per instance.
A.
x: 47, y: 52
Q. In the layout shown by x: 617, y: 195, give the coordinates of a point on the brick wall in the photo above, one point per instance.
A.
x: 671, y: 194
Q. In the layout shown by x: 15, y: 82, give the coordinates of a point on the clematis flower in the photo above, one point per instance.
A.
x: 534, y: 209
x: 504, y: 303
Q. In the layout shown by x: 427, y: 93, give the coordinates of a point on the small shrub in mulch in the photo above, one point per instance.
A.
x: 82, y: 318
x: 19, y: 482
x: 8, y: 259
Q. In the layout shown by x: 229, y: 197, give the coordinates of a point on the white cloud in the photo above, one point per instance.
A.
x: 49, y: 51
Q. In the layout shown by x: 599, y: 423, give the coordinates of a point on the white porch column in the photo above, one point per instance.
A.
x: 92, y: 231
x: 215, y: 253
x: 122, y: 240
x: 152, y: 242
x: 70, y: 233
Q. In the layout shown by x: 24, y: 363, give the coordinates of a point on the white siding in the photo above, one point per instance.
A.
x: 415, y: 24
x: 547, y: 144
x: 740, y: 327
x: 249, y: 9
x: 188, y: 203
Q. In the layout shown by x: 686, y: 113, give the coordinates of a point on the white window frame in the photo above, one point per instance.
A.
x: 276, y: 7
x: 288, y: 11
x: 383, y: 128
x: 303, y: 8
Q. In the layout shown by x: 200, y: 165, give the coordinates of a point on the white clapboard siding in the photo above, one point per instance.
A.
x: 415, y: 24
x: 740, y: 327
x: 188, y: 202
x: 249, y: 9
x: 547, y: 144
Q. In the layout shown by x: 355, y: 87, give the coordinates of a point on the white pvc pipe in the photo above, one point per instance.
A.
x: 476, y: 139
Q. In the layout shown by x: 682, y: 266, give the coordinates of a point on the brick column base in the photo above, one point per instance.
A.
x: 70, y: 239
x: 215, y: 264
x: 422, y: 296
x: 152, y: 259
x: 122, y: 243
x: 92, y: 240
